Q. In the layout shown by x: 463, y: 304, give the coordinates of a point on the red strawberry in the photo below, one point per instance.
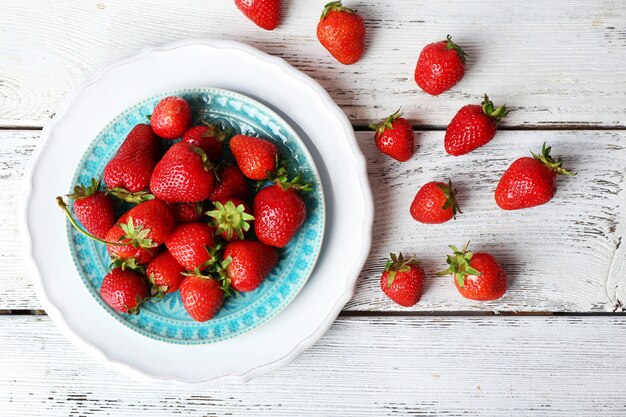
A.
x: 230, y: 183
x: 472, y: 127
x: 265, y: 13
x: 93, y: 208
x: 440, y: 66
x: 529, y: 182
x: 231, y: 218
x: 394, y: 136
x: 477, y: 275
x: 129, y: 171
x: 255, y: 157
x: 209, y: 138
x: 171, y: 117
x: 202, y: 297
x: 435, y: 203
x: 124, y: 290
x: 183, y: 175
x: 190, y: 245
x: 250, y: 263
x: 188, y: 212
x: 142, y: 228
x: 342, y: 32
x: 402, y: 280
x: 164, y: 273
x: 278, y: 214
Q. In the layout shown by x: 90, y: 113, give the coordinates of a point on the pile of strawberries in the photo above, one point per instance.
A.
x: 189, y: 225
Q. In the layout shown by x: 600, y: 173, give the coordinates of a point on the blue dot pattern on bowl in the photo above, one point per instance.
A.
x: 167, y: 320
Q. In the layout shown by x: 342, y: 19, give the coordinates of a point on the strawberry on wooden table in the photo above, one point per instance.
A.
x: 279, y: 210
x: 231, y: 218
x: 183, y: 175
x: 124, y: 290
x: 191, y: 245
x: 440, y: 66
x: 342, y: 32
x: 435, y: 203
x: 141, y: 229
x: 202, y: 296
x: 402, y: 280
x: 530, y: 182
x: 255, y: 157
x: 477, y: 276
x: 472, y: 127
x: 250, y: 263
x: 127, y: 175
x: 394, y: 136
x: 210, y: 138
x: 171, y: 117
x: 93, y: 208
x: 231, y: 183
x: 264, y: 13
x: 165, y: 274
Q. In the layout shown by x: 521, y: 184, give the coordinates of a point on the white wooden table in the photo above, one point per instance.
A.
x: 554, y: 345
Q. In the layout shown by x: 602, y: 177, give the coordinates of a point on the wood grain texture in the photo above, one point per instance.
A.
x: 417, y: 366
x: 557, y: 63
x: 564, y: 256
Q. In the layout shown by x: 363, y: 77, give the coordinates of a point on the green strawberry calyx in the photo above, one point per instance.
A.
x: 214, y: 131
x: 136, y: 236
x: 76, y: 226
x: 217, y: 272
x: 335, y: 6
x: 385, y: 124
x: 130, y: 264
x: 490, y: 110
x: 135, y: 310
x: 207, y: 164
x: 459, y: 265
x: 281, y: 177
x: 547, y: 160
x: 133, y: 198
x: 457, y: 48
x: 81, y: 191
x: 450, y: 194
x: 397, y: 264
x: 157, y: 292
x: 230, y: 219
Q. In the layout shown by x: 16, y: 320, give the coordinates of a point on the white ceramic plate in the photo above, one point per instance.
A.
x: 328, y: 136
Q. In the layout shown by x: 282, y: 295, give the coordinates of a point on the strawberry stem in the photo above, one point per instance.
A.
x: 459, y: 265
x: 397, y: 264
x: 386, y: 123
x: 457, y: 48
x: 547, y: 160
x: 335, y: 6
x: 133, y: 198
x: 450, y: 194
x: 73, y: 222
x: 230, y: 219
x: 490, y: 110
x: 81, y: 191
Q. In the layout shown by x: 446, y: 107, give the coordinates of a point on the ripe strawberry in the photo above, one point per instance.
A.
x: 231, y: 218
x: 140, y: 229
x: 265, y: 13
x: 231, y: 183
x: 202, y: 296
x: 529, y: 182
x: 190, y: 245
x: 124, y: 290
x: 183, y: 175
x: 188, y: 212
x: 477, y: 275
x: 128, y: 173
x: 93, y: 208
x: 472, y: 127
x: 164, y: 273
x: 209, y: 138
x: 250, y: 263
x: 278, y: 214
x: 402, y: 280
x: 435, y: 203
x: 342, y: 32
x: 171, y: 117
x: 440, y: 66
x: 255, y: 157
x: 394, y: 136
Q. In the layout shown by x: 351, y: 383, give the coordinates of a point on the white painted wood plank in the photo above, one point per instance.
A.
x: 563, y: 256
x: 555, y: 63
x: 420, y: 366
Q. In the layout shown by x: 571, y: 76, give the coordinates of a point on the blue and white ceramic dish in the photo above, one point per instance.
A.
x: 167, y: 320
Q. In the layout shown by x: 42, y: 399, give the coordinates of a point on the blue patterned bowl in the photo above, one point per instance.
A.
x: 167, y: 320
